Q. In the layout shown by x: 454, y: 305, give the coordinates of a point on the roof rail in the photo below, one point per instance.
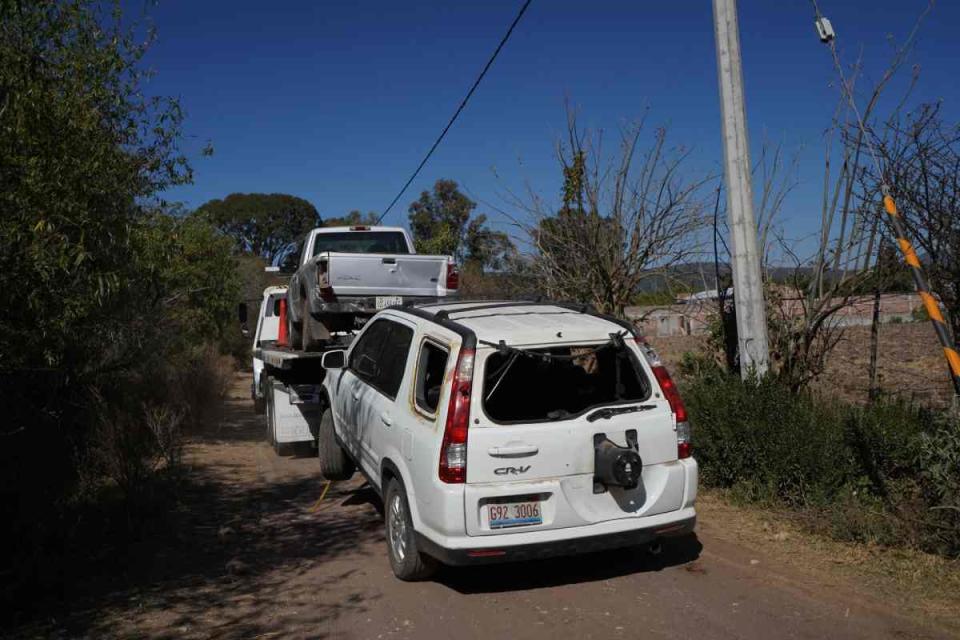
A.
x: 466, y: 334
x: 442, y: 316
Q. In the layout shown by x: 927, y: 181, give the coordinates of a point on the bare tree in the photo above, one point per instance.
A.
x: 803, y: 311
x: 623, y: 220
x: 921, y: 157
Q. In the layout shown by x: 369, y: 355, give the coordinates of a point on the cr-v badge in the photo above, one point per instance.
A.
x: 511, y: 471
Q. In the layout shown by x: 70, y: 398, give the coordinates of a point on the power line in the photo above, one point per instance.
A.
x: 463, y: 103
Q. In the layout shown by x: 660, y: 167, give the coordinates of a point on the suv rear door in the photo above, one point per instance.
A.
x: 537, y: 437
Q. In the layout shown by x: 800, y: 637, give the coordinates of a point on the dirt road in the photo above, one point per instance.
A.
x: 259, y: 557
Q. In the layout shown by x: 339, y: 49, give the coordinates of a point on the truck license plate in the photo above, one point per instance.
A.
x: 513, y: 514
x: 388, y: 301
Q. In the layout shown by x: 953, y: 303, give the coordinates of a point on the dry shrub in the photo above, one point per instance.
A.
x: 199, y: 384
x: 140, y: 430
x: 121, y: 450
x: 165, y: 423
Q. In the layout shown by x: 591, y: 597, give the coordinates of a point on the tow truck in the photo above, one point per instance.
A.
x: 287, y: 381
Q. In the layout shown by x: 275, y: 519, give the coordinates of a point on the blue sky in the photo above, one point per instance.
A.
x: 336, y: 102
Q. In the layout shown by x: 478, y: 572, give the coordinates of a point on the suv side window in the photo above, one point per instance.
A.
x: 365, y: 355
x: 431, y: 365
x: 393, y: 359
x: 380, y: 356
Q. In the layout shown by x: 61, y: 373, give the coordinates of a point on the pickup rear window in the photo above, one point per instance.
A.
x: 542, y: 385
x: 392, y: 242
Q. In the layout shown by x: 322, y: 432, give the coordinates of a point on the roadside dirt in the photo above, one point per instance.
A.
x: 260, y: 557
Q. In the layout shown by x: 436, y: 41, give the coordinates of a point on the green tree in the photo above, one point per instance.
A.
x: 94, y: 272
x: 442, y: 223
x: 353, y: 219
x: 262, y: 223
x: 193, y: 271
x: 81, y: 148
x: 484, y: 248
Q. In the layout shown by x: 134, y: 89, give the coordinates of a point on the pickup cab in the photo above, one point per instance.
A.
x: 347, y: 274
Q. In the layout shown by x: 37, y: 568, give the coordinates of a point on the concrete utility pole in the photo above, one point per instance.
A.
x: 744, y: 258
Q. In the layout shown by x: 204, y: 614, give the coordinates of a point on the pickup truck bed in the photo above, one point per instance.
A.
x: 376, y: 274
x: 346, y: 274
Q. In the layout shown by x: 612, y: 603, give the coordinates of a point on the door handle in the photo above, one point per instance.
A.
x: 386, y: 419
x: 518, y: 451
x: 356, y: 394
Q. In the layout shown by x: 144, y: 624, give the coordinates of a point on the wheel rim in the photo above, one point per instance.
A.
x: 398, y: 528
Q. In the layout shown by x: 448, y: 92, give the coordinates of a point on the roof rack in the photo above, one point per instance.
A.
x: 442, y: 316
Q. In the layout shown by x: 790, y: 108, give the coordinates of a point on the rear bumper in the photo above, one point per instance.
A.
x: 490, y: 553
x: 365, y: 305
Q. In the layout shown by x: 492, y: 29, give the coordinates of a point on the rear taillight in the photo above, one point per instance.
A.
x: 453, y: 451
x: 453, y: 276
x: 323, y: 282
x: 672, y: 395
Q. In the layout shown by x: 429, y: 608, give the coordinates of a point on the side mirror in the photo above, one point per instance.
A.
x: 290, y: 263
x: 334, y: 359
x: 242, y: 312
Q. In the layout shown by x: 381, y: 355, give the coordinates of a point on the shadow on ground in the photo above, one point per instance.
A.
x: 247, y: 550
x: 226, y: 559
x: 591, y: 567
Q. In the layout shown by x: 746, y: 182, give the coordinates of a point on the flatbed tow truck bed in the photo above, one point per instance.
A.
x: 292, y: 390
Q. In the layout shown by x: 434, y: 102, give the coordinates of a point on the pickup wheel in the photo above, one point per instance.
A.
x: 334, y: 462
x: 315, y: 334
x: 294, y: 329
x: 406, y: 560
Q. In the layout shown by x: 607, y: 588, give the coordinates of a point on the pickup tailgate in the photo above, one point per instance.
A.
x: 367, y: 274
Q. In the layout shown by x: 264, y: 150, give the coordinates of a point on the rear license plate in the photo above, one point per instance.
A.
x: 513, y: 514
x: 388, y: 301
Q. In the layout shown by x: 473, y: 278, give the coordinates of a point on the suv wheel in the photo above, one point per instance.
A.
x: 406, y: 560
x: 334, y: 463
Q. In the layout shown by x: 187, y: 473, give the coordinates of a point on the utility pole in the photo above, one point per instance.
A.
x: 744, y: 258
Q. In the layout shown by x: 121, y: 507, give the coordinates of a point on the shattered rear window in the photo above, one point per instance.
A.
x: 557, y: 383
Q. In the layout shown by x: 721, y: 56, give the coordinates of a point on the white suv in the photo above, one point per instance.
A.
x: 508, y: 430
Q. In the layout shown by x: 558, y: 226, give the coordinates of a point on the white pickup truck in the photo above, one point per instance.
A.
x: 346, y: 274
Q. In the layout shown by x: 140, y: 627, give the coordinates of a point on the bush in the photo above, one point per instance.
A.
x: 109, y: 294
x: 887, y: 472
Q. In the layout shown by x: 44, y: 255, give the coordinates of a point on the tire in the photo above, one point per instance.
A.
x: 294, y: 329
x: 259, y: 406
x: 268, y: 409
x: 334, y: 462
x: 407, y: 561
x: 279, y: 448
x: 314, y: 334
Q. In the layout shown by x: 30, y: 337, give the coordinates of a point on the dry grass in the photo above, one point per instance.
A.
x: 911, y: 363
